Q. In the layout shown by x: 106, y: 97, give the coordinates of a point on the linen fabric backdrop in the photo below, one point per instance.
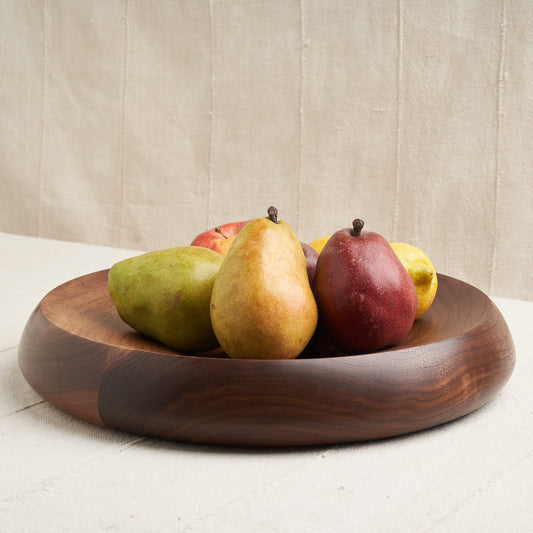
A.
x: 140, y: 124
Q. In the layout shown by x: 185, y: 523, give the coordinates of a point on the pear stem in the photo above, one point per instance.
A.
x: 273, y: 214
x: 218, y: 230
x: 357, y: 227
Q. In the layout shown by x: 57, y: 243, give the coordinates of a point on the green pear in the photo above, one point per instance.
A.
x: 165, y: 294
x: 262, y: 306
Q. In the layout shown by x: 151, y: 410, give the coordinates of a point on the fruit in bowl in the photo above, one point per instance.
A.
x: 257, y: 291
x: 311, y: 257
x: 165, y: 294
x: 422, y: 272
x: 318, y: 244
x: 262, y: 305
x: 219, y: 238
x: 365, y: 296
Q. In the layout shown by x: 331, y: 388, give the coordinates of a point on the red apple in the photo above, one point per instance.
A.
x: 219, y: 238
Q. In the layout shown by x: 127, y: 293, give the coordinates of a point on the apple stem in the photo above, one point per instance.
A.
x: 357, y: 227
x: 273, y: 214
x: 218, y: 230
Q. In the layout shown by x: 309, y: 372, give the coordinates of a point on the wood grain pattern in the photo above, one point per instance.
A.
x: 78, y: 354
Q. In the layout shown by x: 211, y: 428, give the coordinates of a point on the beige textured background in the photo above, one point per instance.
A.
x: 141, y: 123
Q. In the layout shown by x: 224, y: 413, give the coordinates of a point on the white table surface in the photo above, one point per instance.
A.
x: 59, y: 473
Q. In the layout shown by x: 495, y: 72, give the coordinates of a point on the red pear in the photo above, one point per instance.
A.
x: 365, y: 296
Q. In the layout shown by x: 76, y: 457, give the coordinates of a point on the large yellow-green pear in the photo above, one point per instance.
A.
x: 165, y: 294
x: 262, y: 306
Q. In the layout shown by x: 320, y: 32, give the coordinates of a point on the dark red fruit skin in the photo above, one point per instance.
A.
x: 366, y: 298
x: 311, y: 257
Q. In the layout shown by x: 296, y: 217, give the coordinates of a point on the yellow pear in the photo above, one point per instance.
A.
x: 262, y: 306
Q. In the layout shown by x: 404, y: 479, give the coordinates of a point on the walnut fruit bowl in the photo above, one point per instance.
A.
x: 78, y: 355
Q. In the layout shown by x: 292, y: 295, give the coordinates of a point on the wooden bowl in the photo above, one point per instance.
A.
x: 80, y: 356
